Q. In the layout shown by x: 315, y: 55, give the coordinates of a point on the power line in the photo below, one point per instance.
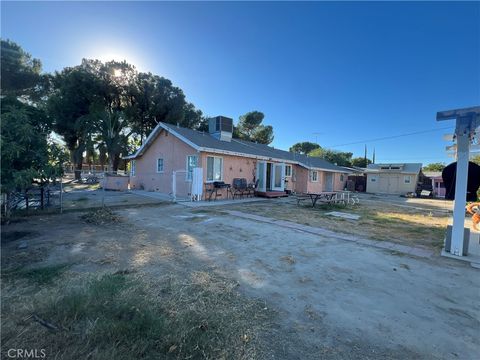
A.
x: 384, y: 159
x: 390, y: 137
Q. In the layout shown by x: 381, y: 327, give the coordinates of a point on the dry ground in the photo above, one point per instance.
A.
x: 381, y: 218
x: 172, y: 282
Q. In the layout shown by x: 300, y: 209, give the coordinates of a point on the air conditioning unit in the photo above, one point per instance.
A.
x: 221, y: 127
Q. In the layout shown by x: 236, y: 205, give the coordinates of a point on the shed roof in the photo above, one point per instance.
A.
x: 403, y: 168
x: 202, y: 141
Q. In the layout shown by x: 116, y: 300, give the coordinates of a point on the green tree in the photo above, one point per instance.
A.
x: 360, y: 162
x: 250, y: 128
x: 303, y: 147
x: 75, y: 91
x: 26, y: 153
x: 153, y: 99
x: 434, y: 167
x: 339, y: 158
x: 110, y: 128
x: 19, y: 70
x: 27, y: 156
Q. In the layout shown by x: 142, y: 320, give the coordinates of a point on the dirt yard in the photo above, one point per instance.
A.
x: 418, y: 222
x: 176, y: 282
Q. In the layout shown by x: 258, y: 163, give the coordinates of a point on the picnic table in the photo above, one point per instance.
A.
x: 329, y: 197
x: 324, y: 196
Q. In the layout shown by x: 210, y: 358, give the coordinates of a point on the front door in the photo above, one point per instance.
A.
x: 328, y: 181
x: 278, y: 177
x: 262, y: 176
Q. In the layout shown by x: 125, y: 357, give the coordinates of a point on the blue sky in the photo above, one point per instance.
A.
x: 346, y: 71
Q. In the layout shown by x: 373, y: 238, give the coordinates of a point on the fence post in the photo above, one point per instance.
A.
x: 26, y: 200
x: 41, y: 197
x: 103, y: 189
x: 174, y: 186
x: 61, y: 194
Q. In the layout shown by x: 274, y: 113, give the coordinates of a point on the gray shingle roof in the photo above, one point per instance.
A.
x: 206, y: 141
x: 406, y: 168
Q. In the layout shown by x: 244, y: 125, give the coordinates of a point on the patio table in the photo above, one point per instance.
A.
x: 324, y: 196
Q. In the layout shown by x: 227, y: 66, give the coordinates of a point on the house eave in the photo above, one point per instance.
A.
x: 153, y: 136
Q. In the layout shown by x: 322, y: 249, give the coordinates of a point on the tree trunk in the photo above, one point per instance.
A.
x: 111, y: 162
x: 78, y: 170
x: 77, y: 156
x: 116, y: 162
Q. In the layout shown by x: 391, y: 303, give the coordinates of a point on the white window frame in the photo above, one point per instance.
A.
x: 407, y: 177
x: 221, y: 168
x: 189, y: 175
x: 289, y: 172
x: 312, y: 177
x: 163, y: 166
x: 133, y: 169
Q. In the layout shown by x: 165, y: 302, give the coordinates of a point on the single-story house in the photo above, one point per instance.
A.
x: 172, y: 149
x: 398, y: 179
x: 438, y: 186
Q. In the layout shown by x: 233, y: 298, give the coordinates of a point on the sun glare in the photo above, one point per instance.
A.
x: 118, y: 52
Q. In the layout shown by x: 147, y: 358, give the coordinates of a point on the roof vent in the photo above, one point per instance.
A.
x: 221, y: 127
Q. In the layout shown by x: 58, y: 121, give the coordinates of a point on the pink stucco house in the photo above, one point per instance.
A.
x: 171, y: 153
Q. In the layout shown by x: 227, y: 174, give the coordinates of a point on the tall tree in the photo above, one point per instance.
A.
x: 250, y: 128
x: 21, y: 73
x: 360, y: 162
x: 111, y: 130
x: 154, y: 99
x: 303, y: 147
x: 339, y: 158
x: 27, y: 155
x: 75, y: 92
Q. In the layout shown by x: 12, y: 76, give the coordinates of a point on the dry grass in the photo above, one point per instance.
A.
x: 289, y: 259
x: 127, y: 315
x: 101, y: 216
x: 379, y: 221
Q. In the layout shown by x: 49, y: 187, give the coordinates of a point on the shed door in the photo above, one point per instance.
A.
x: 383, y: 184
x: 388, y: 184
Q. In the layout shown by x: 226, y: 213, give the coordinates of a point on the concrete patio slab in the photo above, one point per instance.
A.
x: 343, y: 215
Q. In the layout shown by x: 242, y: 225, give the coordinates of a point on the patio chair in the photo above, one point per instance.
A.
x: 252, y: 188
x: 239, y: 187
